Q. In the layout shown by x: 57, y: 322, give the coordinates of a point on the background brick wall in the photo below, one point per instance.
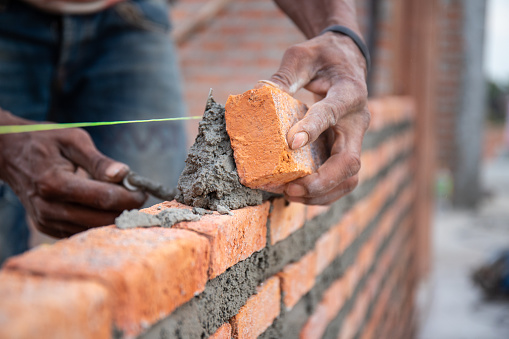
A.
x: 448, y: 88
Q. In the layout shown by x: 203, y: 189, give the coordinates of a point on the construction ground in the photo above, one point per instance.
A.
x: 453, y: 307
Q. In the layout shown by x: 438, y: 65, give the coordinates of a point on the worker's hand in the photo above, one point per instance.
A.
x: 43, y: 169
x: 333, y: 68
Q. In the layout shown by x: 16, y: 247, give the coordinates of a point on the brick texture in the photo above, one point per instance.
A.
x: 223, y: 332
x: 326, y: 310
x: 258, y: 122
x: 285, y: 218
x: 259, y: 311
x: 149, y: 272
x: 36, y: 307
x: 297, y: 279
x: 232, y: 238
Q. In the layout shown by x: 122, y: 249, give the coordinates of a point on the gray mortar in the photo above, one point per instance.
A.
x: 201, y: 211
x: 210, y: 176
x: 166, y: 218
x: 172, y: 216
x: 135, y: 218
x: 224, y: 210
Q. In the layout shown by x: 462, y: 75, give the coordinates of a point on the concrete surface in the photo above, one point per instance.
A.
x: 452, y: 307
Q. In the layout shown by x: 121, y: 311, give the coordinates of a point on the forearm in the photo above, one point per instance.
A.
x: 312, y: 16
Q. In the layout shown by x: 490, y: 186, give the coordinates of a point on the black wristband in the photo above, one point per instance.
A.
x: 352, y: 35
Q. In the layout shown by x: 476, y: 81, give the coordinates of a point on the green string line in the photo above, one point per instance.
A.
x: 10, y: 129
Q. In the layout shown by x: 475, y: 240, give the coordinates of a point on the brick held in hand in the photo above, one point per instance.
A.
x: 258, y: 122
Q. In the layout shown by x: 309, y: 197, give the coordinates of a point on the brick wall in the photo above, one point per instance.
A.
x: 276, y: 270
x: 450, y: 65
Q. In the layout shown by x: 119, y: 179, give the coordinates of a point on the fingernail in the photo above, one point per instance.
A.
x: 299, y: 140
x: 262, y: 83
x: 114, y: 169
x: 295, y: 190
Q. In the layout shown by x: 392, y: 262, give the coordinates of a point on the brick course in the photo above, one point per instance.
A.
x: 258, y: 312
x: 39, y: 307
x: 232, y: 238
x: 149, y: 272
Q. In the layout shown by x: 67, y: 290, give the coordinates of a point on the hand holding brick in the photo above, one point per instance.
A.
x: 258, y: 122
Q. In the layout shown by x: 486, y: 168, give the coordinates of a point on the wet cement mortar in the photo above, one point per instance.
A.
x: 210, y: 176
x: 166, y: 218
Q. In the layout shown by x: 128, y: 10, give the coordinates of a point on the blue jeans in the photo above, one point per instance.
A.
x: 118, y: 64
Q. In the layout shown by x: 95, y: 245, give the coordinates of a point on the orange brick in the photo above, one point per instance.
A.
x: 348, y: 230
x: 363, y: 212
x: 40, y: 307
x: 259, y: 311
x: 351, y: 277
x: 348, y: 328
x: 327, y: 309
x: 297, y: 279
x: 327, y: 248
x: 258, y: 122
x: 223, y: 332
x: 315, y: 210
x: 149, y: 272
x: 232, y: 238
x: 367, y: 165
x: 285, y: 218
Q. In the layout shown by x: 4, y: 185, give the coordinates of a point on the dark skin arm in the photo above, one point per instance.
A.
x: 64, y: 182
x: 333, y: 68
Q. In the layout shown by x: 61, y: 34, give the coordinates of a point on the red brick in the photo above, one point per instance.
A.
x: 297, y: 279
x: 363, y: 212
x: 316, y: 210
x: 367, y: 165
x: 348, y: 227
x: 326, y: 310
x: 327, y: 248
x: 351, y: 278
x: 149, y: 272
x: 285, y: 218
x: 258, y: 122
x: 348, y: 327
x: 232, y: 238
x: 40, y: 307
x: 223, y: 332
x: 259, y: 311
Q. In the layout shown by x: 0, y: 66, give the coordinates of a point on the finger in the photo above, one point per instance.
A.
x: 341, y: 99
x: 67, y: 186
x: 336, y: 170
x: 57, y: 229
x: 343, y: 163
x: 49, y: 211
x: 79, y: 148
x: 296, y: 69
x: 338, y: 192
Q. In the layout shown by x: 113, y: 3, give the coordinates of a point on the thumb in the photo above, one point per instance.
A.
x: 342, y: 98
x: 320, y: 116
x: 79, y: 148
x: 295, y: 71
